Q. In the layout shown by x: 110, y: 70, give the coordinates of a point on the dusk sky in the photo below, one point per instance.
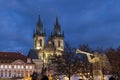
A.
x: 93, y: 22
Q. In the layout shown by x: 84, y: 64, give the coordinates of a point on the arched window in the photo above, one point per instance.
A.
x: 30, y: 72
x: 40, y: 42
x: 1, y: 73
x: 22, y: 73
x: 15, y: 73
x: 27, y: 73
x: 5, y: 73
x: 58, y: 43
x: 19, y: 75
x: 9, y: 73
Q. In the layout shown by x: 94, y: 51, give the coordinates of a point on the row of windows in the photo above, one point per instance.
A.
x: 6, y: 61
x: 15, y: 74
x: 16, y: 71
x: 15, y: 66
x: 59, y: 42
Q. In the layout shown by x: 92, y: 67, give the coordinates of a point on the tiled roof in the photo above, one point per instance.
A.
x: 8, y: 57
x: 32, y: 54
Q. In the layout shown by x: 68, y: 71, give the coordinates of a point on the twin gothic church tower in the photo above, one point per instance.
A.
x: 54, y: 44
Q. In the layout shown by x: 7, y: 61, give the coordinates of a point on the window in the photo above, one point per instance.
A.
x: 26, y: 67
x: 30, y: 67
x: 1, y: 73
x: 9, y: 66
x: 14, y: 73
x: 18, y: 66
x: 5, y: 73
x: 9, y: 73
x: 1, y: 66
x: 30, y: 72
x: 40, y: 42
x: 58, y: 43
x: 22, y: 74
x: 15, y: 66
x: 19, y: 75
x: 5, y: 66
x: 22, y: 67
x: 27, y: 73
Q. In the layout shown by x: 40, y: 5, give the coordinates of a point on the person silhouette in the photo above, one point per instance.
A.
x: 44, y: 74
x: 45, y: 78
x: 112, y: 78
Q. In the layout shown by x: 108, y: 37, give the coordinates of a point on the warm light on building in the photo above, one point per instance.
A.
x: 5, y: 66
x: 15, y: 66
x: 22, y: 67
x: 18, y: 67
x: 26, y: 67
x: 1, y: 66
x: 30, y: 67
x: 9, y: 66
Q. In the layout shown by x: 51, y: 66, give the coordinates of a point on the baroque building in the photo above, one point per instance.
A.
x: 15, y: 65
x: 43, y: 46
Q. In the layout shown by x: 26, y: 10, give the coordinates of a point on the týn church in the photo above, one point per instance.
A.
x: 45, y: 46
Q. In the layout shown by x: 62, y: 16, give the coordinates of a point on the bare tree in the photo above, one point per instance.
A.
x: 87, y: 67
x: 66, y: 64
x: 114, y: 58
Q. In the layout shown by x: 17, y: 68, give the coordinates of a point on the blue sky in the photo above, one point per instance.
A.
x: 94, y: 22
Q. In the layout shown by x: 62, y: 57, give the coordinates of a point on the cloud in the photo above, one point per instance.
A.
x: 95, y: 22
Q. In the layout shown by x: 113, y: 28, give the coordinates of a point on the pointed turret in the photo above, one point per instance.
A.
x: 39, y: 35
x: 57, y: 28
x: 39, y: 27
x: 58, y: 37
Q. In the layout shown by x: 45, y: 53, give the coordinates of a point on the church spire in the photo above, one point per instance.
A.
x: 57, y: 27
x: 39, y: 27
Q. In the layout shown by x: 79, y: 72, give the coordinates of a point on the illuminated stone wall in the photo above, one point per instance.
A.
x: 17, y: 68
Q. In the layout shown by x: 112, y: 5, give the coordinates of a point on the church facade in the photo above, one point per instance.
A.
x: 53, y: 45
x: 45, y: 46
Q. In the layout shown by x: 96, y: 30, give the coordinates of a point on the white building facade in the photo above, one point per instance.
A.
x: 15, y: 65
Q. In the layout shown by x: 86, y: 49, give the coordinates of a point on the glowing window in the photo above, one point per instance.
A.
x: 9, y: 66
x: 26, y: 67
x: 40, y: 42
x: 5, y: 66
x: 58, y: 43
x: 22, y: 67
x: 30, y: 67
x: 1, y: 66
x: 18, y: 66
x: 15, y: 66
